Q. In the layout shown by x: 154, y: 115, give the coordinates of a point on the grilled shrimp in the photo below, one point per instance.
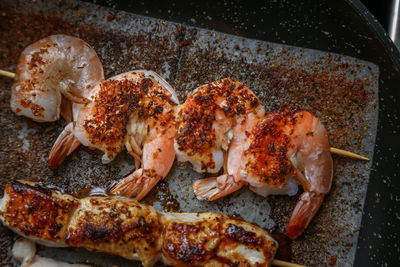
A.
x: 215, y: 187
x: 282, y: 150
x: 206, y: 121
x: 52, y: 72
x: 124, y: 227
x: 135, y: 110
x: 55, y: 75
x: 285, y: 149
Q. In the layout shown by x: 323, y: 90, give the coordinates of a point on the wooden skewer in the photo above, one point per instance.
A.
x: 333, y: 150
x: 286, y: 264
x: 347, y: 154
x: 7, y: 74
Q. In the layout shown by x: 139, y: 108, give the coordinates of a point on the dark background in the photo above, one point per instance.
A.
x: 352, y: 31
x: 380, y: 9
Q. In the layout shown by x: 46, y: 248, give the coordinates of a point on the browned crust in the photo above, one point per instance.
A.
x: 132, y: 230
x: 235, y: 234
x: 209, y: 241
x: 114, y: 103
x: 117, y: 226
x: 269, y: 142
x: 36, y: 211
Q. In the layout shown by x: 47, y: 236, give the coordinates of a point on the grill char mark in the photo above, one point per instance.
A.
x: 35, y: 211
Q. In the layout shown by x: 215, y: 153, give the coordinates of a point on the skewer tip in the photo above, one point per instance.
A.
x: 7, y: 74
x: 347, y: 154
x: 286, y: 264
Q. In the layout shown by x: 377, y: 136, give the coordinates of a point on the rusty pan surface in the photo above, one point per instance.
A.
x: 342, y: 91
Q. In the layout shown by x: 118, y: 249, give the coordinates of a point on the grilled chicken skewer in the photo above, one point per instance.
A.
x: 132, y: 230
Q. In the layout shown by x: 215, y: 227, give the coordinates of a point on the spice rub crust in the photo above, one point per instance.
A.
x: 216, y: 240
x: 269, y: 143
x: 38, y: 212
x: 215, y: 103
x: 114, y: 102
x: 118, y: 226
x: 133, y: 230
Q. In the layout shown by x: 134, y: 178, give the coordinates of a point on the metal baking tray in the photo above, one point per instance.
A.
x: 342, y: 91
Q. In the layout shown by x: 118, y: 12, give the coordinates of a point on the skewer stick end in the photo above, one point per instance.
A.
x: 7, y: 74
x: 347, y: 154
x: 286, y: 264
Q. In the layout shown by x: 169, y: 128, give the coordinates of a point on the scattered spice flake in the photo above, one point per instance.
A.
x: 110, y: 17
x: 332, y: 262
x: 185, y: 43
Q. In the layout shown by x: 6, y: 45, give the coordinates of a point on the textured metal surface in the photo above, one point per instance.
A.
x: 342, y: 91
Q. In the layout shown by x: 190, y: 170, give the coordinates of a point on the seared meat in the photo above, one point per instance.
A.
x: 132, y: 230
x: 210, y: 239
x: 37, y: 212
x: 118, y: 226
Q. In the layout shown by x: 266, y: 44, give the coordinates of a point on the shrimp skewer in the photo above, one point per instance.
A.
x: 282, y: 150
x: 135, y: 110
x: 132, y: 230
x: 66, y: 110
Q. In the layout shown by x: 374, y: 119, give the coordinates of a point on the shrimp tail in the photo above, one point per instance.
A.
x: 66, y: 109
x: 216, y: 187
x: 305, y: 210
x: 65, y: 144
x: 75, y: 97
x: 138, y: 184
